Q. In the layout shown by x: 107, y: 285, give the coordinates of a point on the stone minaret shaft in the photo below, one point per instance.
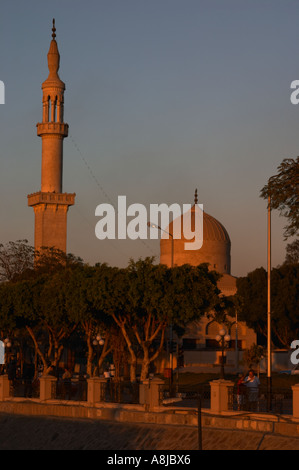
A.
x: 51, y: 204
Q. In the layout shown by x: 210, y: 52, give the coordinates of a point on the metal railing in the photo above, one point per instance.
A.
x: 184, y: 397
x: 258, y: 401
x: 120, y: 392
x: 75, y: 390
x: 24, y: 388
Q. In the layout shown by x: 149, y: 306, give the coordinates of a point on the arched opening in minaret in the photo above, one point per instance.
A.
x: 48, y: 108
x: 53, y: 109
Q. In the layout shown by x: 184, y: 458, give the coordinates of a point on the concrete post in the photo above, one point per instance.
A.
x: 150, y: 392
x: 220, y: 395
x: 295, y: 389
x: 46, y: 387
x: 95, y: 390
x: 4, y: 387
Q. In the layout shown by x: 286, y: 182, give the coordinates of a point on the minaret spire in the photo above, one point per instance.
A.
x: 195, y: 197
x: 53, y: 29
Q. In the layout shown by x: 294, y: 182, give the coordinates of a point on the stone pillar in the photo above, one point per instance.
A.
x: 220, y: 395
x: 295, y: 389
x: 46, y: 387
x: 150, y: 392
x: 95, y: 390
x: 4, y: 387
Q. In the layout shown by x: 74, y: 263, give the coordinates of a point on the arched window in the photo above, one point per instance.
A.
x: 49, y: 109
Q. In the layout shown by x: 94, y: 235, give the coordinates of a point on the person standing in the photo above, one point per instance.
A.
x: 252, y: 383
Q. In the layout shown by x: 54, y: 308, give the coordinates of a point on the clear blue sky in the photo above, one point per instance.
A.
x: 162, y: 97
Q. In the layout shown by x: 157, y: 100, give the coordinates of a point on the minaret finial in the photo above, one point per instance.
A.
x: 195, y: 197
x: 53, y: 29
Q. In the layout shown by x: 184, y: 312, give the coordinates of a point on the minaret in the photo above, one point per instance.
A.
x: 51, y: 204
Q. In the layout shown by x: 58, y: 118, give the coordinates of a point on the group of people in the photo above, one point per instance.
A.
x: 248, y: 391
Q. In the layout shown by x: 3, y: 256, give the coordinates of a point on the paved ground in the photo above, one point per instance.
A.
x: 23, y: 432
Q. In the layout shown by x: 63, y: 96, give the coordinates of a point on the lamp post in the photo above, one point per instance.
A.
x: 97, y: 343
x: 236, y: 344
x: 269, y: 352
x: 7, y: 345
x: 223, y: 339
x: 151, y: 225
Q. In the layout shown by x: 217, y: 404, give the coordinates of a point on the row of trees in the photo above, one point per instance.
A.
x: 252, y: 292
x: 54, y: 297
x: 131, y: 308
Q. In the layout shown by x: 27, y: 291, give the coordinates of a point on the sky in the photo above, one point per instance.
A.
x: 162, y: 97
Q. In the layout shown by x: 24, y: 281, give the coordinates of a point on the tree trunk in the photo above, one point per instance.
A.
x: 145, y: 363
x: 133, y: 364
x: 90, y: 352
x: 133, y: 367
x: 37, y: 349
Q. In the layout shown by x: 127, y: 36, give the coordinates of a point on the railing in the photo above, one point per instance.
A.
x: 258, y: 401
x: 75, y: 390
x: 120, y: 392
x: 183, y: 397
x: 24, y: 388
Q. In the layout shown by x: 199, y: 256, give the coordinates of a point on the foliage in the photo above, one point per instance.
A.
x: 15, y: 259
x: 253, y: 355
x: 292, y: 253
x: 283, y: 189
x: 133, y: 307
x: 284, y: 303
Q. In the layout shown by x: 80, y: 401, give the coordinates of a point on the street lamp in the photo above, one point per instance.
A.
x: 97, y: 343
x: 223, y: 339
x: 269, y: 352
x: 7, y: 345
x: 151, y: 225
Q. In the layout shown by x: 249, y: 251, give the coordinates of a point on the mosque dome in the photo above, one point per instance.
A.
x: 215, y: 249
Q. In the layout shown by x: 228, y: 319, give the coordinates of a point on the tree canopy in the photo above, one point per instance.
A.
x: 131, y: 306
x: 283, y: 189
x: 284, y: 302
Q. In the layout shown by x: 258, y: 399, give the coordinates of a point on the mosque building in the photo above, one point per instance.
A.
x: 201, y: 349
x: 51, y: 206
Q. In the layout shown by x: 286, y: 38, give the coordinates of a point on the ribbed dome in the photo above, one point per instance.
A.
x: 213, y: 229
x: 215, y: 249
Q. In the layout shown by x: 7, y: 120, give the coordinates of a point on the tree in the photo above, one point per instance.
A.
x: 109, y: 293
x: 40, y: 304
x: 284, y: 303
x: 51, y: 259
x: 16, y: 258
x: 81, y: 307
x: 283, y: 189
x: 253, y: 356
x: 144, y: 299
x: 292, y: 253
x: 9, y: 324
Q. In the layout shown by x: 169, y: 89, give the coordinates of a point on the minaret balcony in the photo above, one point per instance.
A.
x: 48, y: 128
x: 66, y: 199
